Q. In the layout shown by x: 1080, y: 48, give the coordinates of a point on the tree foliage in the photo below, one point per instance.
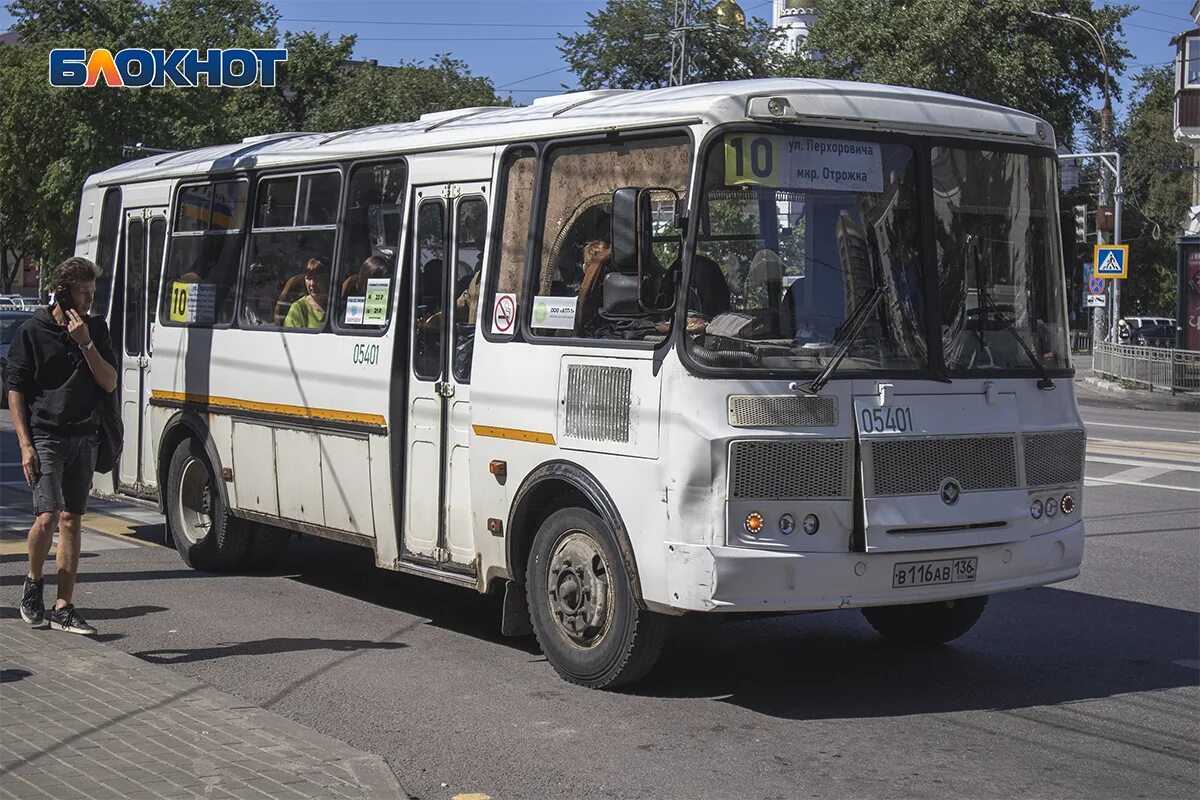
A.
x: 626, y: 47
x: 1157, y: 173
x: 996, y: 51
x: 52, y: 139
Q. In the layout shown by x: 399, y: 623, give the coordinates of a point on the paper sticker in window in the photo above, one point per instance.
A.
x: 376, y: 302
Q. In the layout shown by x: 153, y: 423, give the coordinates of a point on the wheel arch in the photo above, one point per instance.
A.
x: 187, y: 425
x: 549, y: 487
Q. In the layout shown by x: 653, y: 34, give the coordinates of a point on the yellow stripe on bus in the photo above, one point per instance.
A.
x: 514, y: 433
x: 271, y: 408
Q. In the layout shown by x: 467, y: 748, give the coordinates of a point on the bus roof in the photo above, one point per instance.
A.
x: 812, y: 102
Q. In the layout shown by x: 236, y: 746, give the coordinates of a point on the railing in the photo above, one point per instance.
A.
x: 1081, y: 341
x: 1157, y: 367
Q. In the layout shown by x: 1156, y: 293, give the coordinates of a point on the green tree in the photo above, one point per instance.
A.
x: 1157, y: 175
x: 996, y: 51
x: 615, y: 51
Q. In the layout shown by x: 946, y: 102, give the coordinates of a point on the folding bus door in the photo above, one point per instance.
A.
x: 145, y: 239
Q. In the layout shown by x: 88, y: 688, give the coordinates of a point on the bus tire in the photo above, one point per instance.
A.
x: 926, y: 623
x: 206, y: 535
x: 582, y: 606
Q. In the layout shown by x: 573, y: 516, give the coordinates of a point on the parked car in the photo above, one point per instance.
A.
x: 14, y: 300
x: 10, y: 320
x: 1154, y: 335
x: 1128, y: 325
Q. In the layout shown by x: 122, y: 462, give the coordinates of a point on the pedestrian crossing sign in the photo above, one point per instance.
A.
x: 1110, y: 261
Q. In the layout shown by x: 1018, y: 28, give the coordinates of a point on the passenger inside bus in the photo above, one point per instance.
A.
x: 258, y: 306
x: 309, y: 310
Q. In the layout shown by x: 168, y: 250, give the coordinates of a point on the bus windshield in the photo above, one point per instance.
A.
x: 797, y: 231
x: 999, y: 260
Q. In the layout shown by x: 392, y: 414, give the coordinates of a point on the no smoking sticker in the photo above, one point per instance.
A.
x: 504, y: 313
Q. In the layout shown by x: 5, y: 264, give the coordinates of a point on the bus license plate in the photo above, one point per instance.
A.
x: 931, y: 573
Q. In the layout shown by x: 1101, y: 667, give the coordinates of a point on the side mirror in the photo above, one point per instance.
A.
x: 631, y: 228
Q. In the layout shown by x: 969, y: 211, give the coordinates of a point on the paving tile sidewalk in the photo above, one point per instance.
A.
x: 79, y: 719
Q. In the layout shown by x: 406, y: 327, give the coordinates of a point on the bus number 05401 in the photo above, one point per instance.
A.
x: 886, y: 420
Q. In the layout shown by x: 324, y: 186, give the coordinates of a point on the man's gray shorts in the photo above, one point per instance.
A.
x: 67, y: 464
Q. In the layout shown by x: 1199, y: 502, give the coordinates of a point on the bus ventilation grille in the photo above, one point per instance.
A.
x: 918, y: 466
x: 1054, y: 457
x: 597, y: 407
x: 783, y: 411
x: 787, y: 469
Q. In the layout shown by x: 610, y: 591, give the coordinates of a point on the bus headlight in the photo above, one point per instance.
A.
x: 787, y: 524
x: 811, y: 524
x: 1035, y: 509
x: 1051, y: 506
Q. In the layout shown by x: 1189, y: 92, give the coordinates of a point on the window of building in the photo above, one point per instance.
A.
x: 289, y: 276
x: 1191, y: 63
x: 205, y: 250
x: 366, y: 283
x: 576, y: 263
x: 516, y: 191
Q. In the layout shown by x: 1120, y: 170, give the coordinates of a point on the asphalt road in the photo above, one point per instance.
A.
x: 1085, y: 689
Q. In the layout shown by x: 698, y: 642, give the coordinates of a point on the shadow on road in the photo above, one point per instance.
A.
x: 263, y: 647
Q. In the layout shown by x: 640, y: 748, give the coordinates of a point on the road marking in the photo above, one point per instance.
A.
x: 1136, y: 474
x: 1174, y: 466
x: 1095, y: 481
x: 1189, y: 663
x: 1141, y: 427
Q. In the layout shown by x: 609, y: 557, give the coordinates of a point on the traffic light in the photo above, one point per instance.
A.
x: 1081, y: 230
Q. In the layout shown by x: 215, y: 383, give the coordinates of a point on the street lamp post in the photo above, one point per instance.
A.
x: 1106, y: 119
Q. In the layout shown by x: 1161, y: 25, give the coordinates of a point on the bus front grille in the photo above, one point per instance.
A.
x: 783, y: 411
x: 790, y: 469
x: 1054, y: 457
x: 918, y: 466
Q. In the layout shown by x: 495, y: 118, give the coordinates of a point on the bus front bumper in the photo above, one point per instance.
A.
x: 733, y: 579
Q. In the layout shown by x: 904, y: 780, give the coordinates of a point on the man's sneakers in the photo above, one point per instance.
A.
x: 33, y: 610
x: 68, y: 619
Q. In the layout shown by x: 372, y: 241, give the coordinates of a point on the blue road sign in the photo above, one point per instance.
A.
x: 1096, y: 285
x: 1110, y: 261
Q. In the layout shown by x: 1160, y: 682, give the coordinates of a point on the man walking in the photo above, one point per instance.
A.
x: 60, y: 368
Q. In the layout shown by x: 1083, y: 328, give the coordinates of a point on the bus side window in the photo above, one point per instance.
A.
x: 370, y: 249
x: 200, y: 279
x: 508, y: 265
x: 288, y: 280
x: 429, y: 289
x: 106, y: 248
x: 577, y: 235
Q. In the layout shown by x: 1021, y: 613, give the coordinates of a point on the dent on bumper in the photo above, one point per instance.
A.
x: 710, y: 578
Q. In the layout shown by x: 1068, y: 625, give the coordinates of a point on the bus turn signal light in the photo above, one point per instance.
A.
x: 754, y: 523
x: 1068, y: 504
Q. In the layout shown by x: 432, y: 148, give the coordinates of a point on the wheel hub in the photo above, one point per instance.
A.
x: 580, y: 593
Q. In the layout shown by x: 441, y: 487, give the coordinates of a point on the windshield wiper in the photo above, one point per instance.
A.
x: 1045, y: 383
x: 854, y: 323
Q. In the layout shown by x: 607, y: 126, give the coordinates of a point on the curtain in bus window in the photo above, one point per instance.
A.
x: 205, y: 250
x: 289, y: 276
x: 366, y: 285
x: 577, y: 236
x: 514, y: 231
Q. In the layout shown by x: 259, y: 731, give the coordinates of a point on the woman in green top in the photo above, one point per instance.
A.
x: 309, y: 311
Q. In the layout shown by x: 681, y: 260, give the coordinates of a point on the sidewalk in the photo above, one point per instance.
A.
x: 79, y: 719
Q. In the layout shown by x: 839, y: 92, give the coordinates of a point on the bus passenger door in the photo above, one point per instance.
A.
x: 145, y: 239
x: 447, y: 256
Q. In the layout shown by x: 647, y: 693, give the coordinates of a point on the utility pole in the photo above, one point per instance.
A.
x: 681, y: 68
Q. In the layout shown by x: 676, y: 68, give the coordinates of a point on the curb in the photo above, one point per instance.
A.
x: 1095, y: 385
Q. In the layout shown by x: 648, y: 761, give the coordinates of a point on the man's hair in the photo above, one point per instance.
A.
x: 74, y: 270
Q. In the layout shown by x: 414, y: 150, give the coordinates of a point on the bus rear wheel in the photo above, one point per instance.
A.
x: 206, y: 535
x: 582, y: 606
x: 926, y: 623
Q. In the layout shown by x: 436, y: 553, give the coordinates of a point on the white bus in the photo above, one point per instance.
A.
x: 763, y: 346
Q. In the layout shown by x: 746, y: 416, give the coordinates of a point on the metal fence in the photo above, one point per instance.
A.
x: 1081, y: 341
x: 1158, y: 367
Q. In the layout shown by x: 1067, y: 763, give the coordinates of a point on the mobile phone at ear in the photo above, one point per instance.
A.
x: 62, y: 298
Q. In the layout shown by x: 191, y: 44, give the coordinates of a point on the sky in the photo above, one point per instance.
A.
x: 513, y: 42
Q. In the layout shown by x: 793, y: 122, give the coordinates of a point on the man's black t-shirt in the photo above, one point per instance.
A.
x: 49, y: 369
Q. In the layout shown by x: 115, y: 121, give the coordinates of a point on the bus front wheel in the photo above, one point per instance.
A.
x: 206, y: 535
x: 926, y: 623
x: 582, y: 606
